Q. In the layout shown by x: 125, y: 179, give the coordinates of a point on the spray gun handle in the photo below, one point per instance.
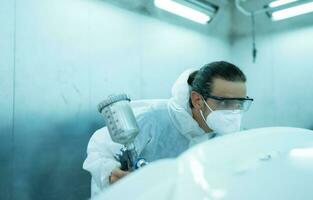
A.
x: 126, y: 163
x: 125, y: 159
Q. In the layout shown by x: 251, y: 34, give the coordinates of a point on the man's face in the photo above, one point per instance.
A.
x: 227, y: 89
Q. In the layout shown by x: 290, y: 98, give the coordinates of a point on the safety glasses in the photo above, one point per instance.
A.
x: 224, y: 103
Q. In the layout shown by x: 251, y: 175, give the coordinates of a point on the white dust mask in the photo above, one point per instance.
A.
x: 223, y: 121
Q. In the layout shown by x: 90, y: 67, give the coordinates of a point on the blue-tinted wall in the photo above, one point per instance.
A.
x: 58, y: 59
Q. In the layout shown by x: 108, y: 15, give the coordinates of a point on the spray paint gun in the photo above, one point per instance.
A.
x: 123, y: 129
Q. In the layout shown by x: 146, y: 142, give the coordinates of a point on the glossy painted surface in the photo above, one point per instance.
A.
x: 267, y: 163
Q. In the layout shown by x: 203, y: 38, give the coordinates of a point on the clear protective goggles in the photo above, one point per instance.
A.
x: 224, y: 103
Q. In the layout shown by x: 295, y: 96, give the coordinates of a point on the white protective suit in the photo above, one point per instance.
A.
x: 166, y: 130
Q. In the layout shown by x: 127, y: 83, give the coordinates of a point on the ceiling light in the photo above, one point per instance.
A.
x: 292, y: 11
x: 183, y: 11
x: 280, y: 3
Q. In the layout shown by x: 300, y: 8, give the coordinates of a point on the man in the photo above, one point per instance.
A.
x: 205, y: 104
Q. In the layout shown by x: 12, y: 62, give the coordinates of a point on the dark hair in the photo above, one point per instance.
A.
x: 201, y: 81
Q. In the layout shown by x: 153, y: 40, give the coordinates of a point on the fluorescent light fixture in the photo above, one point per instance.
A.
x: 292, y: 12
x: 280, y: 3
x: 182, y: 11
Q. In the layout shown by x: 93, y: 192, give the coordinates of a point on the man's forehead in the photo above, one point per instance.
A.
x: 226, y: 88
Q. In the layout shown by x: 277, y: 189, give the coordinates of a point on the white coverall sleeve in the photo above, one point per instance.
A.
x: 101, y: 150
x: 147, y: 130
x: 100, y: 159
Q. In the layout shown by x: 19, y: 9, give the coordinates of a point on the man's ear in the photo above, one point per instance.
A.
x: 196, y: 100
